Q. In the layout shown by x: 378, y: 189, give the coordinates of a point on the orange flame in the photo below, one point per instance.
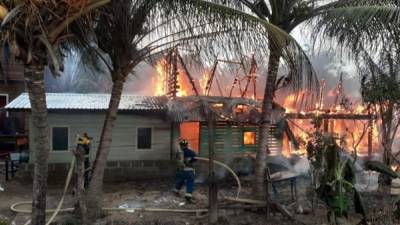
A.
x: 354, y: 133
x: 249, y: 138
x: 203, y: 82
x: 290, y: 103
x: 184, y: 87
x: 160, y: 83
x: 160, y: 86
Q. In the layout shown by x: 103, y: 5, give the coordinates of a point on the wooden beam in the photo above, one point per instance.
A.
x: 331, y: 116
x: 191, y: 80
x: 370, y: 135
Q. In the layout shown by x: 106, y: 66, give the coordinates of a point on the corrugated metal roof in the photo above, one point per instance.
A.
x: 70, y: 101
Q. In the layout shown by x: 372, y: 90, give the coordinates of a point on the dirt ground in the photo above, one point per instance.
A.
x: 157, y: 194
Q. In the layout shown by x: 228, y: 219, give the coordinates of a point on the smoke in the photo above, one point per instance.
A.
x: 329, y: 67
x: 78, y: 78
x: 302, y: 166
x: 296, y: 164
x: 141, y: 81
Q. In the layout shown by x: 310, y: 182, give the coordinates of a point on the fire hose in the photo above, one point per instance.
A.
x: 227, y: 168
x: 14, y: 207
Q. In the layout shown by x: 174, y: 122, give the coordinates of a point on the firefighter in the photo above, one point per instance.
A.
x: 85, y: 142
x: 185, y: 173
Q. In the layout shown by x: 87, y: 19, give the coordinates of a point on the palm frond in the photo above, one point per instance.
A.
x: 354, y: 27
x: 148, y: 27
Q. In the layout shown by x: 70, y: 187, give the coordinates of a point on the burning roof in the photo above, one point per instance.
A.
x: 228, y: 109
x: 180, y: 109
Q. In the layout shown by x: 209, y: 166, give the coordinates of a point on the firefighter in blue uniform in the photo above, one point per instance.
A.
x: 185, y: 173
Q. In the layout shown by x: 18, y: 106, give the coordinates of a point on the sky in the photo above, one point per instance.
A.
x: 330, y: 67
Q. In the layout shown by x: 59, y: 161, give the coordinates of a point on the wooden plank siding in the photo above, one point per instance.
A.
x: 13, y: 89
x: 124, y: 136
x: 228, y: 139
x: 13, y: 71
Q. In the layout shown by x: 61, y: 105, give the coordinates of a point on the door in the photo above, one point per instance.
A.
x: 191, y: 132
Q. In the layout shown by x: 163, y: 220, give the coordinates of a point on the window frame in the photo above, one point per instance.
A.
x: 7, y: 101
x: 51, y: 136
x: 151, y: 139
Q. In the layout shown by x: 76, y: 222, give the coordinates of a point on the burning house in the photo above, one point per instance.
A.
x: 354, y: 125
x: 236, y: 131
x: 147, y: 129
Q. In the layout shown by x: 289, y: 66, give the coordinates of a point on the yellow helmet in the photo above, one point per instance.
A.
x: 183, y: 143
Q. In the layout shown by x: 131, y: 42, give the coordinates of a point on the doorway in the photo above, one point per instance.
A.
x: 191, y: 132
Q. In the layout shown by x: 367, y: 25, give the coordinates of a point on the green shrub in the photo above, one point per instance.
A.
x: 4, y: 221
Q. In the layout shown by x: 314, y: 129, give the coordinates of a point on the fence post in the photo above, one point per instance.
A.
x: 6, y: 170
x: 12, y: 169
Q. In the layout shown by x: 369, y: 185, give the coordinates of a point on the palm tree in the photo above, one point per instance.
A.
x: 78, y: 78
x: 32, y: 31
x: 127, y: 32
x: 288, y: 15
x: 381, y: 91
x: 365, y: 29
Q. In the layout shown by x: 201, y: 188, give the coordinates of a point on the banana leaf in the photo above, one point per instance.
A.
x: 340, y: 204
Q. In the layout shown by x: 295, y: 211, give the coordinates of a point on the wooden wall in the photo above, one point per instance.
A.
x: 228, y: 139
x: 124, y: 136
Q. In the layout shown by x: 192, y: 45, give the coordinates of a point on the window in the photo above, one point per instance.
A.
x: 144, y: 138
x: 240, y: 108
x: 60, y: 138
x: 249, y: 138
x: 3, y: 100
x: 3, y: 103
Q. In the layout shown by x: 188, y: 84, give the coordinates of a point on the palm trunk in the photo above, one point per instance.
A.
x: 95, y: 191
x: 260, y: 163
x: 81, y: 208
x: 387, y: 120
x: 37, y: 98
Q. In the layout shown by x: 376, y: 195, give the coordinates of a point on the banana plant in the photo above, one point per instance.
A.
x: 334, y: 178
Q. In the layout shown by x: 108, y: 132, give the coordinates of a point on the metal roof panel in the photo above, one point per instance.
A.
x: 73, y: 101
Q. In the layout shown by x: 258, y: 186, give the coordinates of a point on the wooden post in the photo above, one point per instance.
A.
x: 370, y: 127
x: 268, y: 200
x: 12, y: 168
x: 6, y: 169
x: 326, y: 125
x: 212, y: 188
x: 175, y: 134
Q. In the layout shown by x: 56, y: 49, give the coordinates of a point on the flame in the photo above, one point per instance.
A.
x: 353, y: 135
x: 160, y: 83
x: 249, y: 138
x: 203, y: 82
x: 184, y: 87
x: 160, y: 86
x: 290, y: 103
